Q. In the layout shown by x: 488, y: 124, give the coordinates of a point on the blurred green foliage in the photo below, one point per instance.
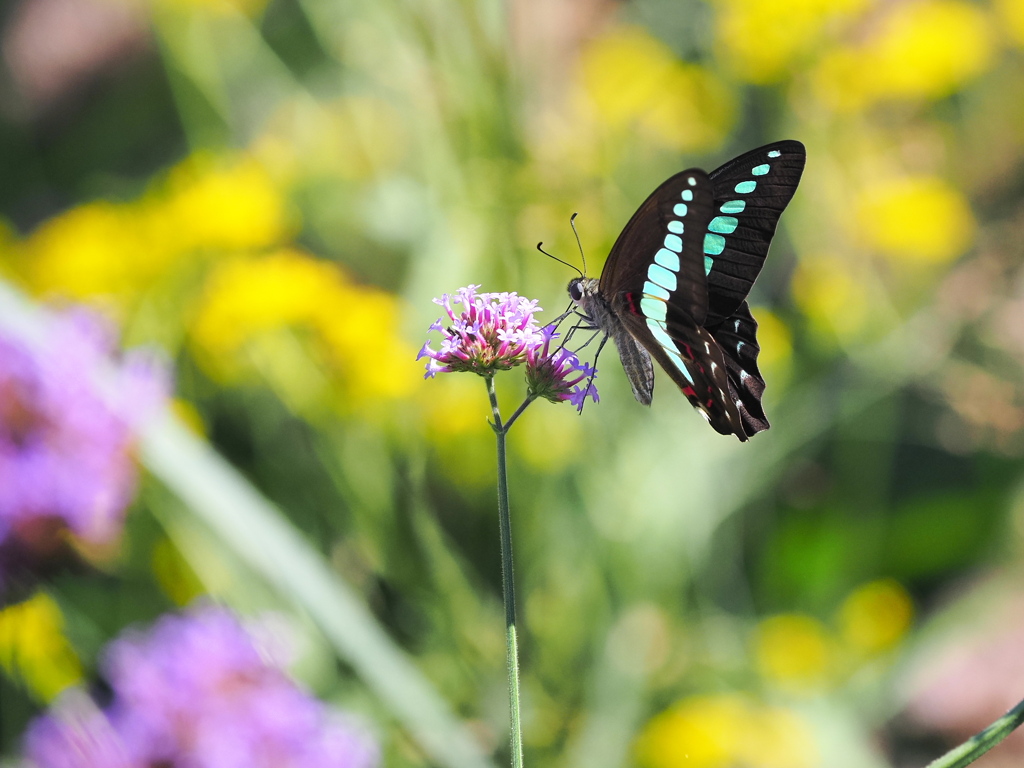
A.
x: 273, y: 190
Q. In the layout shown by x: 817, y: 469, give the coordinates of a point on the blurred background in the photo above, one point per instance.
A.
x: 272, y: 191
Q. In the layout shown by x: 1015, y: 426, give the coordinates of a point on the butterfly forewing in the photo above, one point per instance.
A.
x: 750, y: 194
x: 659, y: 255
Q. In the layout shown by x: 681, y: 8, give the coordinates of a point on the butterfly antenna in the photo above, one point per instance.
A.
x: 572, y: 223
x: 558, y: 259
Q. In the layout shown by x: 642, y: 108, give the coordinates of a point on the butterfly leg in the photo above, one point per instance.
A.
x: 570, y: 310
x: 583, y: 324
x: 593, y: 375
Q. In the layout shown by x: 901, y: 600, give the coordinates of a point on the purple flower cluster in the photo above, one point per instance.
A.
x: 196, y: 691
x: 66, y: 460
x: 497, y: 331
x: 557, y: 376
x: 492, y: 332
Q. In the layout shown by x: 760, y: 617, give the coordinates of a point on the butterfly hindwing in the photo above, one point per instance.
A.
x: 737, y: 338
x: 695, y: 362
x: 750, y: 194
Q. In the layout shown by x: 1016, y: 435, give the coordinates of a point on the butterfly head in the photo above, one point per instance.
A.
x: 581, y: 289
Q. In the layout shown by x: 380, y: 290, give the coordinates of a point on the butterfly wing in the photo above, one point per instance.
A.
x: 694, y: 360
x: 751, y: 192
x: 737, y: 338
x: 659, y: 255
x: 655, y: 284
x: 678, y: 276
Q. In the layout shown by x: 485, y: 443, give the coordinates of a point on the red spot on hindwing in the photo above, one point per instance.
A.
x: 631, y: 301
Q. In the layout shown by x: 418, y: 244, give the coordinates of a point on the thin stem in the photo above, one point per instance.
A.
x: 519, y: 412
x: 508, y: 591
x: 980, y: 743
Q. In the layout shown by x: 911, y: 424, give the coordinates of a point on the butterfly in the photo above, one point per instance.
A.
x: 675, y: 284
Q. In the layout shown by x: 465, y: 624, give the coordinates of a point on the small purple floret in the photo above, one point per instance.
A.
x: 556, y: 376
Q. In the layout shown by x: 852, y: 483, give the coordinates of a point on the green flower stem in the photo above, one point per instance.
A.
x: 508, y: 591
x: 980, y: 743
x: 516, y: 415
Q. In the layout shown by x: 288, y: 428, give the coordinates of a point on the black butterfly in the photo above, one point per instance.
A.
x: 676, y: 282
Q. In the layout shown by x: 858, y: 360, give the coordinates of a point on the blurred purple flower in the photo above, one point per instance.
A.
x: 492, y: 332
x: 557, y: 376
x: 66, y: 443
x: 198, y: 691
x: 76, y: 735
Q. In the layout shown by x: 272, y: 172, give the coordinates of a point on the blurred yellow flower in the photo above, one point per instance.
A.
x: 246, y: 295
x: 761, y: 40
x: 214, y: 203
x: 918, y: 219
x: 724, y: 731
x: 362, y: 337
x: 33, y: 647
x: 920, y: 49
x: 774, y: 337
x: 118, y: 250
x: 356, y: 326
x: 822, y: 284
x: 875, y: 616
x: 1010, y: 15
x: 95, y: 249
x: 794, y: 651
x: 635, y: 80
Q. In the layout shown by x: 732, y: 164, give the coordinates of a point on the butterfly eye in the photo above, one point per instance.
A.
x: 575, y: 292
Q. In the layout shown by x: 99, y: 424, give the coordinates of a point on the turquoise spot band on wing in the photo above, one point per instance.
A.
x: 713, y: 244
x: 659, y: 330
x: 676, y: 227
x: 724, y: 225
x: 674, y: 243
x: 663, y: 277
x: 653, y: 309
x: 688, y: 195
x: 667, y: 259
x: 653, y: 289
x: 774, y: 153
x: 680, y: 209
